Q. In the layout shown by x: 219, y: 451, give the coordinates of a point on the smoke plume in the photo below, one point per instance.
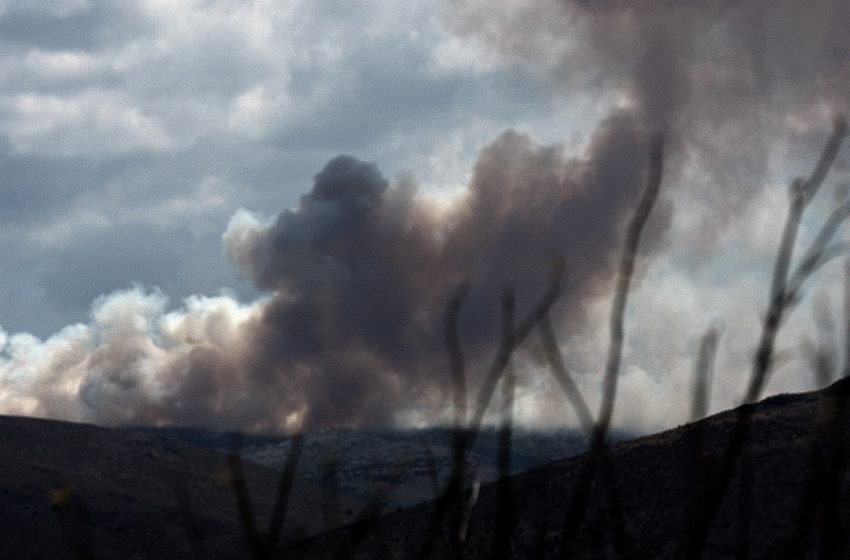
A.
x: 731, y: 84
x: 358, y: 276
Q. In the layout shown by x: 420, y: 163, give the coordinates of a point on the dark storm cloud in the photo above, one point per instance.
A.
x: 118, y: 107
x: 725, y: 58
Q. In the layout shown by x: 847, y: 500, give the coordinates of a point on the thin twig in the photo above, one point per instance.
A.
x: 454, y: 486
x: 243, y: 498
x: 505, y: 351
x: 703, y: 373
x: 506, y: 511
x: 562, y: 375
x: 846, y: 371
x: 627, y: 265
x: 284, y: 493
x: 801, y: 194
x: 599, y: 453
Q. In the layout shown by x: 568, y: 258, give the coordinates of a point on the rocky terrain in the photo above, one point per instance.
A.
x: 79, y: 491
x: 72, y: 490
x: 76, y: 490
x: 403, y: 467
x: 786, y: 497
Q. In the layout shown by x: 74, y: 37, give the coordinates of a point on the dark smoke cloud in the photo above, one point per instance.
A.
x: 726, y: 81
x: 672, y: 56
x: 358, y: 278
x: 361, y: 271
x: 358, y: 275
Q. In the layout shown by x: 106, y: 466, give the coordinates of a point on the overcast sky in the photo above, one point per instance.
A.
x: 182, y: 245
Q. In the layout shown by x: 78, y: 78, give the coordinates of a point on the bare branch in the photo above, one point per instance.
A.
x: 627, y: 265
x: 562, y: 375
x: 703, y: 373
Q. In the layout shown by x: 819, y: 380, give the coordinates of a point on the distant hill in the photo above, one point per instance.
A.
x: 79, y: 491
x: 791, y: 502
x: 397, y: 464
x: 72, y: 490
x: 68, y: 490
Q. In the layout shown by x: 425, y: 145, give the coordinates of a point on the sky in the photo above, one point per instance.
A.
x: 253, y: 214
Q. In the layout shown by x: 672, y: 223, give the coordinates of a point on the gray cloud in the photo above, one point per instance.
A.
x: 71, y: 24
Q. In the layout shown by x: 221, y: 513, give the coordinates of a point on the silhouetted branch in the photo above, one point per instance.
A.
x: 827, y: 158
x: 454, y: 486
x: 696, y: 470
x: 618, y: 309
x: 703, y: 373
x: 801, y: 194
x: 562, y: 375
x: 457, y: 366
x: 243, y: 498
x: 820, y: 252
x: 599, y: 454
x: 507, y: 347
x: 284, y: 493
x: 432, y: 470
x: 506, y: 511
x: 846, y: 370
x: 822, y: 353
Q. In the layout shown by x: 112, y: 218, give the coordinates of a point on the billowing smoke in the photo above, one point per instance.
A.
x: 362, y: 272
x: 745, y: 93
x: 731, y: 84
x: 678, y: 59
x: 358, y: 277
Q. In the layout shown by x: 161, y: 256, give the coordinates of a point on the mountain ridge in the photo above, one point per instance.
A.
x: 764, y: 514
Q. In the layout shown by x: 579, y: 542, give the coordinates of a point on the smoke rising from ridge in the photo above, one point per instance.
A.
x: 358, y: 276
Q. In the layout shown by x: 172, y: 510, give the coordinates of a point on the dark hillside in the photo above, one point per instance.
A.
x: 68, y: 489
x: 402, y: 464
x: 786, y: 505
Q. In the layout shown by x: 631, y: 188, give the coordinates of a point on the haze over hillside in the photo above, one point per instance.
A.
x: 405, y: 467
x: 123, y: 494
x: 65, y: 485
x: 788, y: 502
x: 117, y: 494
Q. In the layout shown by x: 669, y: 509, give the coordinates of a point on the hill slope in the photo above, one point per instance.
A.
x: 787, y: 504
x: 67, y: 487
x: 404, y: 466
